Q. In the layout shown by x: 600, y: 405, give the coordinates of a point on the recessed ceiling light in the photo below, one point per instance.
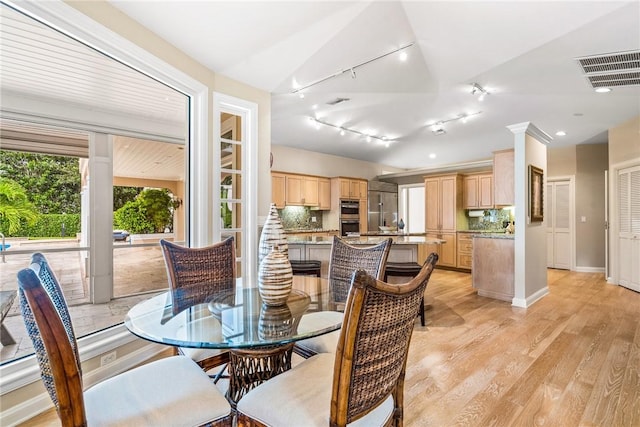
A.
x: 603, y: 90
x: 561, y: 133
x: 432, y: 155
x: 403, y: 56
x: 314, y: 106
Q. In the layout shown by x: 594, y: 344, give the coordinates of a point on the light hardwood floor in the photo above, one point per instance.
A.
x: 572, y: 359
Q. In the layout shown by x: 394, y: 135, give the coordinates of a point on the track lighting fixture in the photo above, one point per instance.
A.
x: 352, y: 70
x: 476, y: 89
x: 438, y: 127
x: 383, y: 139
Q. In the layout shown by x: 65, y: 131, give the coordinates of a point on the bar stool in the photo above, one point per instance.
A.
x: 308, y: 268
x: 405, y: 269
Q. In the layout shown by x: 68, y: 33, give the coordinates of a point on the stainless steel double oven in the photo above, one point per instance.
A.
x: 349, y: 217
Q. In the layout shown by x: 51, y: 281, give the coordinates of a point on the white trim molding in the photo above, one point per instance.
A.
x: 41, y: 402
x: 614, y: 227
x: 531, y: 299
x: 68, y: 20
x: 248, y: 111
x: 580, y: 269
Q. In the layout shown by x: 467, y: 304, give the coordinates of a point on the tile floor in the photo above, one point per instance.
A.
x: 138, y: 272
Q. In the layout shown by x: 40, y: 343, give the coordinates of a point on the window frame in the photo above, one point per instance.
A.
x: 76, y: 25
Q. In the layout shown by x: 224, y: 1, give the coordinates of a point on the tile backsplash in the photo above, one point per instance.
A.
x: 493, y: 219
x: 300, y: 217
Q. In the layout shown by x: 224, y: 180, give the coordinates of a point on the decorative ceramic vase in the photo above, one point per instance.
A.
x: 275, y: 322
x: 272, y: 234
x: 401, y: 225
x: 275, y: 277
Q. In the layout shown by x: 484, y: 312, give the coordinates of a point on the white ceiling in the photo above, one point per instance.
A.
x: 523, y: 52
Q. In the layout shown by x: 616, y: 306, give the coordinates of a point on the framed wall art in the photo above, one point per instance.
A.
x: 536, y: 196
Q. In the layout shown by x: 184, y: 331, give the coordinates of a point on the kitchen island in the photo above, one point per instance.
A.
x: 405, y: 248
x: 493, y: 265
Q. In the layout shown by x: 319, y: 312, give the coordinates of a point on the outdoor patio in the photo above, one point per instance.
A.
x: 138, y: 271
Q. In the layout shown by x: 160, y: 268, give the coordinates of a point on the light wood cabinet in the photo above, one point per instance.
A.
x: 465, y: 250
x: 278, y: 189
x: 443, y: 203
x: 310, y: 191
x: 363, y: 186
x: 478, y: 191
x: 446, y: 251
x: 444, y: 213
x: 364, y: 216
x: 300, y: 190
x: 324, y: 193
x: 503, y: 178
x: 355, y: 189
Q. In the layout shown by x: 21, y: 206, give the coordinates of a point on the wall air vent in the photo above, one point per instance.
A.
x: 612, y: 70
x: 337, y: 101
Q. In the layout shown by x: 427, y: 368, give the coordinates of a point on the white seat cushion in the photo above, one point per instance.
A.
x: 169, y: 392
x: 302, y: 397
x: 326, y: 343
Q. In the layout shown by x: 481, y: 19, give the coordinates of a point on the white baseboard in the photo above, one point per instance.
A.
x: 531, y: 299
x: 589, y: 269
x: 41, y: 402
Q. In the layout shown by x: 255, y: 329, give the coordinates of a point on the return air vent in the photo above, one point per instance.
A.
x: 612, y: 70
x: 617, y: 79
x: 337, y: 101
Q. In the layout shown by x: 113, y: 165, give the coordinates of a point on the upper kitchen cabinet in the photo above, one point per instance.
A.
x: 443, y: 196
x: 278, y: 189
x: 301, y: 190
x: 478, y: 191
x: 324, y: 193
x: 503, y: 179
x: 355, y: 189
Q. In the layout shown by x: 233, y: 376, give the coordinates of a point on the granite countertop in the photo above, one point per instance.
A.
x: 494, y: 236
x: 308, y: 230
x: 483, y: 231
x: 363, y: 240
x: 391, y: 233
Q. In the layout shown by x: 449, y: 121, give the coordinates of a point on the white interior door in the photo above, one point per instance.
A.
x: 629, y: 227
x: 558, y: 214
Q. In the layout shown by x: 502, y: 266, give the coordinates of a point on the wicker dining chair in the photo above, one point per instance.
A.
x: 367, y: 385
x: 344, y: 260
x: 195, y: 275
x: 169, y: 391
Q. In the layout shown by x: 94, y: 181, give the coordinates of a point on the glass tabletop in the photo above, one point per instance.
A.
x: 237, y: 319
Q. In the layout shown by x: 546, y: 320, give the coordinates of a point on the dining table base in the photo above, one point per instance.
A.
x: 250, y: 367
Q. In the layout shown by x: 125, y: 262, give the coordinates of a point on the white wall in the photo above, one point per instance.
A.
x: 293, y: 160
x: 530, y: 239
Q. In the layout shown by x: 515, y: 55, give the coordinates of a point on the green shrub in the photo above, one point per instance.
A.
x: 133, y: 218
x: 54, y: 225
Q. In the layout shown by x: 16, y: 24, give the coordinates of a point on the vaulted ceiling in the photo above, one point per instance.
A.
x: 523, y: 52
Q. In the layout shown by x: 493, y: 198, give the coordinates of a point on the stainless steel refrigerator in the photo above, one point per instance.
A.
x: 383, y: 205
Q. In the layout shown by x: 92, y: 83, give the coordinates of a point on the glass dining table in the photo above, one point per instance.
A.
x: 260, y: 338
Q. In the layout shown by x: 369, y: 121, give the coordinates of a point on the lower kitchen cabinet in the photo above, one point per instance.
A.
x: 465, y: 250
x: 446, y: 251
